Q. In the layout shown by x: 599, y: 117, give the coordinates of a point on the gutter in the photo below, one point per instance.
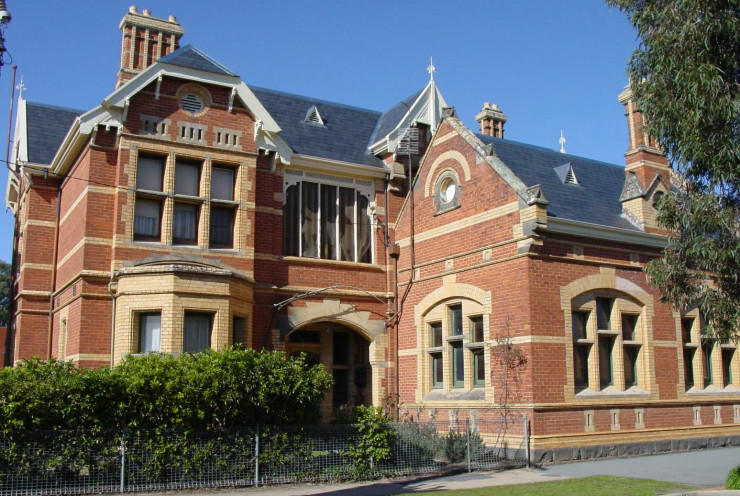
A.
x: 569, y: 227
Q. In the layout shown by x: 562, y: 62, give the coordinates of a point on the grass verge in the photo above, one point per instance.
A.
x: 598, y: 486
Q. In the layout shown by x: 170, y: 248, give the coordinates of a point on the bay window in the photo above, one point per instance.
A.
x: 149, y: 198
x: 197, y: 332
x: 150, y: 325
x: 326, y: 221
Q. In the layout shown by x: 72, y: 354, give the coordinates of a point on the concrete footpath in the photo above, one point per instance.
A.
x: 704, y: 468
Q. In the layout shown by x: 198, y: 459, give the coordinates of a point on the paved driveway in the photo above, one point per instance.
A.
x: 706, y: 467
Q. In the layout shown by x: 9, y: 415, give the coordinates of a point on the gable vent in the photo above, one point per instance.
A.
x: 566, y: 174
x: 192, y: 103
x: 313, y: 116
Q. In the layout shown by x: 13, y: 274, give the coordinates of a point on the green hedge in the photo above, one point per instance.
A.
x: 212, y: 389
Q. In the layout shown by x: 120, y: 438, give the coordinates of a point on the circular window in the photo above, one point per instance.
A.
x: 447, y: 190
x: 192, y: 103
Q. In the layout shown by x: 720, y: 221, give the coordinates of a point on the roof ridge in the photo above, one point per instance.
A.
x: 489, y: 139
x: 55, y: 107
x: 313, y: 100
x: 192, y: 48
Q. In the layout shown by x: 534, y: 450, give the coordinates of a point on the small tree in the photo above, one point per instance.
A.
x: 686, y: 79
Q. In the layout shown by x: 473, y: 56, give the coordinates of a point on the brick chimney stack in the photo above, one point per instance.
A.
x: 145, y: 40
x: 491, y: 120
x: 647, y: 173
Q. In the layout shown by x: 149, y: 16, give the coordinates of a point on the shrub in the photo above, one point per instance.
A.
x: 733, y: 478
x: 375, y: 436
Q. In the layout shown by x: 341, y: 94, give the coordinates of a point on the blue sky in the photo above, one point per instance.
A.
x: 549, y: 65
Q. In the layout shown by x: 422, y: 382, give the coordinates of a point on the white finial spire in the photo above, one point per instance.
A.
x: 562, y: 142
x: 20, y: 87
x: 431, y: 69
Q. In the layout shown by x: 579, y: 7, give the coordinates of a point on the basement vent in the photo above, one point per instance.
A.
x: 566, y: 174
x: 192, y: 103
x: 313, y: 116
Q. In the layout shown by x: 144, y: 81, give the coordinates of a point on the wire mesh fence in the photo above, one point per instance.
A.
x: 80, y: 462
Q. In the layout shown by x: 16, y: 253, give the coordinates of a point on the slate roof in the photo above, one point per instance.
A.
x: 391, y: 117
x: 344, y: 135
x: 190, y: 57
x: 46, y: 128
x: 595, y: 199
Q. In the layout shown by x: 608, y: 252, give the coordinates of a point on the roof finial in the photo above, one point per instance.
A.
x: 562, y: 142
x: 20, y: 88
x: 431, y: 69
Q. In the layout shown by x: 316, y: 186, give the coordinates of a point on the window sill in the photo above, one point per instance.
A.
x: 612, y: 392
x: 448, y: 209
x: 478, y: 345
x: 605, y: 332
x: 632, y: 343
x: 335, y: 263
x: 713, y: 390
x: 450, y: 339
x: 458, y: 394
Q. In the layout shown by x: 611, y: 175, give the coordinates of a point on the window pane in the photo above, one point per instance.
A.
x: 605, y: 361
x: 187, y: 178
x: 149, y: 173
x: 706, y: 347
x: 222, y: 227
x: 239, y: 330
x: 630, y: 365
x: 328, y: 222
x: 458, y: 365
x: 579, y: 320
x: 150, y: 325
x: 310, y: 213
x: 727, y: 354
x: 456, y: 320
x: 436, y: 334
x: 364, y: 241
x: 341, y: 348
x: 347, y: 224
x: 604, y: 313
x: 291, y: 216
x: 185, y: 224
x: 479, y: 368
x: 688, y: 366
x: 580, y: 364
x: 146, y: 218
x: 629, y: 327
x: 197, y: 334
x: 686, y: 325
x: 222, y: 183
x: 437, y: 370
x: 476, y: 331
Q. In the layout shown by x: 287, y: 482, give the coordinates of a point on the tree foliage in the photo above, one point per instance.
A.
x: 4, y: 293
x: 686, y: 79
x: 207, y: 390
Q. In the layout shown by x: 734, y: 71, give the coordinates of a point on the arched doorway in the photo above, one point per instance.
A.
x: 345, y: 354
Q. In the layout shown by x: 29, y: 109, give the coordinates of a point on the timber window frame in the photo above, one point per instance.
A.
x: 327, y: 217
x: 197, y: 331
x: 149, y: 331
x: 188, y: 201
x: 711, y: 363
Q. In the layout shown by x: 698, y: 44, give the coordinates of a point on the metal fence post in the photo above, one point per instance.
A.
x: 123, y: 460
x: 526, y: 439
x: 257, y: 457
x: 467, y: 432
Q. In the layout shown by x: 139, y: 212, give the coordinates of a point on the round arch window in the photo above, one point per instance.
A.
x: 447, y: 190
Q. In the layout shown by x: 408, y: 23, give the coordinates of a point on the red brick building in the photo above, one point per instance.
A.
x: 190, y: 210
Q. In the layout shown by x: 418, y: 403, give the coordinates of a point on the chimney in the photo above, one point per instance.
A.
x: 491, y: 120
x: 647, y: 174
x: 146, y: 39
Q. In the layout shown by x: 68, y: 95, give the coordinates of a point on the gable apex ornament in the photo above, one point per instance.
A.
x: 631, y: 189
x: 449, y: 112
x: 534, y: 196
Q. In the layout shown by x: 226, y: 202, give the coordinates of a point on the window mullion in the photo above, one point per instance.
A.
x: 338, y: 243
x: 354, y: 228
x: 318, y: 221
x: 299, y: 185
